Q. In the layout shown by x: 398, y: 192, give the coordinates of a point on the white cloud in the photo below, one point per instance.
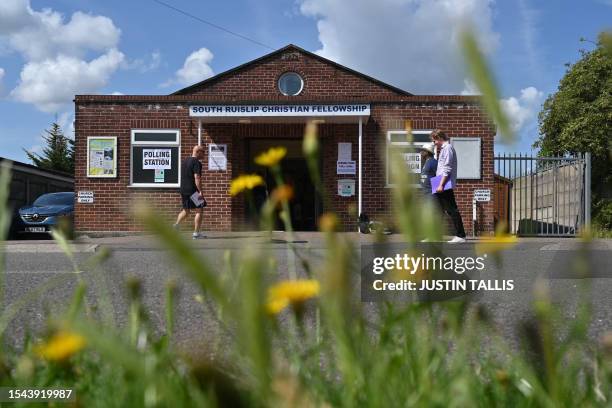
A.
x: 117, y: 93
x: 1, y: 78
x: 52, y: 83
x: 195, y: 69
x: 66, y: 123
x: 39, y: 35
x: 413, y: 44
x: 142, y: 65
x: 55, y: 51
x: 469, y: 88
x: 522, y: 111
x: 14, y: 14
x: 528, y: 32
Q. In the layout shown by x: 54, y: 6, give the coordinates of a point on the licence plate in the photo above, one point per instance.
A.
x: 35, y: 229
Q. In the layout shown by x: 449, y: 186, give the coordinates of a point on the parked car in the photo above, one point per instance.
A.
x: 47, y: 211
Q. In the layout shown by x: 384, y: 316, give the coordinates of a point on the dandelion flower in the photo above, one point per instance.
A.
x: 271, y: 157
x: 328, y: 222
x: 245, y: 182
x: 61, y: 346
x: 275, y: 306
x: 293, y: 293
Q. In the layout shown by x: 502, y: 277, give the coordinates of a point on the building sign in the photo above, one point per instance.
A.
x: 85, y: 197
x: 362, y: 109
x: 217, y: 156
x: 482, y: 195
x: 346, y: 167
x: 101, y: 156
x: 156, y: 159
x: 413, y: 161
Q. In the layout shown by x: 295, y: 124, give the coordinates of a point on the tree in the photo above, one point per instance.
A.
x: 578, y: 118
x: 58, y: 154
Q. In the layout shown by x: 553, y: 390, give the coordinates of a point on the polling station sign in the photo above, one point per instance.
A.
x: 156, y: 159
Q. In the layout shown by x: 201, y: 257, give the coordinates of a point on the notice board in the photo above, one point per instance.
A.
x: 468, y: 157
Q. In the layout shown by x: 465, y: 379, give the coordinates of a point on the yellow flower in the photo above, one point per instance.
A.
x: 61, y: 346
x: 292, y: 293
x: 328, y: 222
x: 272, y: 157
x: 495, y: 244
x: 245, y: 182
x: 275, y: 306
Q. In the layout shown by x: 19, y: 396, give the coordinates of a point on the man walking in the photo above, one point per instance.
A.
x: 447, y: 168
x: 191, y: 190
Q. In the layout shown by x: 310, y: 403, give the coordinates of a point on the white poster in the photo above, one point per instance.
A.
x: 346, y: 167
x: 156, y: 159
x: 159, y: 176
x: 344, y: 151
x: 217, y: 156
x: 413, y: 161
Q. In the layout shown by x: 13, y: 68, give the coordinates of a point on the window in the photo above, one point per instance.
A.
x: 408, y: 151
x: 290, y: 84
x: 155, y: 158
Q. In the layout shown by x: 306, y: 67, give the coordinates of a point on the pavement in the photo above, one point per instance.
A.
x: 39, y: 276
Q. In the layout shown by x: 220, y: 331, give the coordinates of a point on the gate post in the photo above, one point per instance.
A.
x: 587, y: 190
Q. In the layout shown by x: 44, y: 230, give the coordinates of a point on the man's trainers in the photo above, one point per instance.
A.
x: 176, y: 227
x: 197, y: 235
x: 456, y: 240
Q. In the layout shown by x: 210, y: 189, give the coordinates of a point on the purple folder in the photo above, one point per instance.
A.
x: 435, y: 182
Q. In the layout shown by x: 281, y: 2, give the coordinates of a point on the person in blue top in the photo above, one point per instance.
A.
x: 430, y: 165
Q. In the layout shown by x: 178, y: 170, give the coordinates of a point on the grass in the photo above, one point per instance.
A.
x: 319, y: 348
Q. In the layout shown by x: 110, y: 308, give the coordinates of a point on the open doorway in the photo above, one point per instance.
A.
x: 306, y: 204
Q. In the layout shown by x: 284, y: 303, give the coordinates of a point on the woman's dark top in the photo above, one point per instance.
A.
x: 428, y: 171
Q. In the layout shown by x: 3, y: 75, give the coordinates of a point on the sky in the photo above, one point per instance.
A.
x: 51, y: 50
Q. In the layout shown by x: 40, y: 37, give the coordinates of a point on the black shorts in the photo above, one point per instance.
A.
x: 188, y: 203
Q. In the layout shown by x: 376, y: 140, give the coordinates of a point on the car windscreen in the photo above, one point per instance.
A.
x: 55, y: 199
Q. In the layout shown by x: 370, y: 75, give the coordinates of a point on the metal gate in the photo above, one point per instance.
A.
x: 543, y: 196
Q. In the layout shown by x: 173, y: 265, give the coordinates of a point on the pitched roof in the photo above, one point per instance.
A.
x: 290, y: 47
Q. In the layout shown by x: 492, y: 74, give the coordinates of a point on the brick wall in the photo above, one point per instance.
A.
x: 117, y: 115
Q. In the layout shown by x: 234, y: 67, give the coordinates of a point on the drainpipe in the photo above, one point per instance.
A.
x: 474, y: 217
x: 360, y: 195
x: 199, y: 132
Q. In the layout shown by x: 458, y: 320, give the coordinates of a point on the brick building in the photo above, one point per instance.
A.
x: 266, y: 102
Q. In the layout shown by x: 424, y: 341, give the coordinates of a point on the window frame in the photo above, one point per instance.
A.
x: 176, y: 143
x: 390, y: 144
x: 278, y: 83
